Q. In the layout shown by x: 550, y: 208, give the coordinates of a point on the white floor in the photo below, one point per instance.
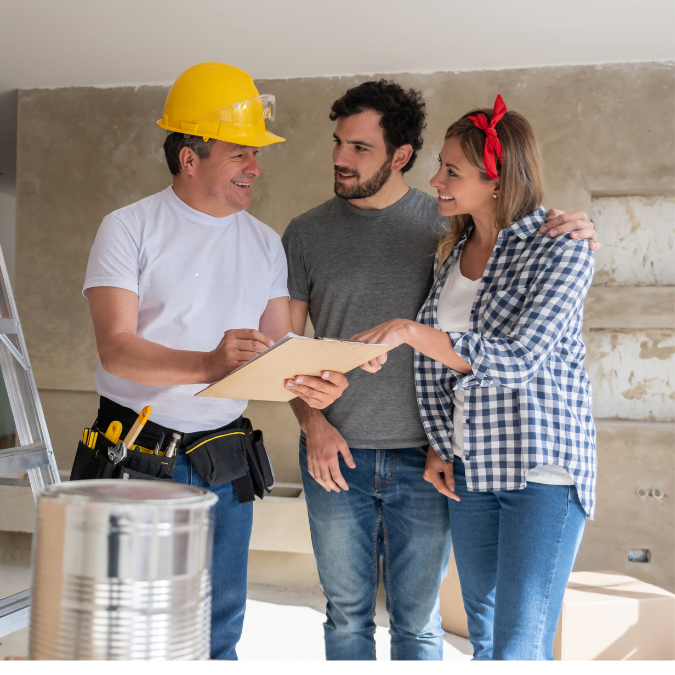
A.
x: 291, y: 622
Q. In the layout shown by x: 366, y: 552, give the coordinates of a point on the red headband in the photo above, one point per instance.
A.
x: 492, y: 144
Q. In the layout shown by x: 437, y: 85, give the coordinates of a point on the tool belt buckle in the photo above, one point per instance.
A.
x: 118, y: 453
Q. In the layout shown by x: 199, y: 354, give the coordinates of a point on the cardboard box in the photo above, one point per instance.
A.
x: 606, y: 616
x: 280, y: 521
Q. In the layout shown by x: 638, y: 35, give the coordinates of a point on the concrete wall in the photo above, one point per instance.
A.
x: 630, y: 337
x: 605, y: 131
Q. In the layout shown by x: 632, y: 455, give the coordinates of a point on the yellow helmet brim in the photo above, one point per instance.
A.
x: 259, y: 140
x: 254, y: 140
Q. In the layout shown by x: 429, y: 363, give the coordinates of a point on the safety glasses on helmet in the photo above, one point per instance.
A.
x: 247, y: 113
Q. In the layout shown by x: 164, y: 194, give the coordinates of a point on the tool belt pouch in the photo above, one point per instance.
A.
x: 237, y: 456
x: 92, y: 463
x: 220, y: 457
x: 143, y: 465
x: 262, y: 461
x: 260, y: 477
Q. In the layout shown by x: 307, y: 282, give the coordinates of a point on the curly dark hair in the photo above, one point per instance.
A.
x: 403, y: 113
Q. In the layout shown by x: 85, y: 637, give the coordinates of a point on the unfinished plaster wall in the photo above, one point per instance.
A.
x: 605, y: 131
x: 631, y: 362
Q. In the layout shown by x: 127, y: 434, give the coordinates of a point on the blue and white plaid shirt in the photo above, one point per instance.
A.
x: 528, y: 401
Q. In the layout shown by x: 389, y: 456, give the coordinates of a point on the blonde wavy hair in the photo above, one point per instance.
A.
x: 520, y: 174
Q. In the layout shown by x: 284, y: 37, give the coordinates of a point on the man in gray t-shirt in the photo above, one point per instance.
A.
x: 356, y: 268
x: 361, y: 258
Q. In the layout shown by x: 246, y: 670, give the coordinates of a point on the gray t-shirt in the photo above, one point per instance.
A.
x: 356, y: 269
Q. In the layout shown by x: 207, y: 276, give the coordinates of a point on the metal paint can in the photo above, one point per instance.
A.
x: 122, y: 571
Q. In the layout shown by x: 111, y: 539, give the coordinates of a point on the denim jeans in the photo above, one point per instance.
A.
x: 389, y: 511
x: 514, y: 550
x: 233, y: 522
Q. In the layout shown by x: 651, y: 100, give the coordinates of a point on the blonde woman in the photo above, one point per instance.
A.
x: 501, y: 385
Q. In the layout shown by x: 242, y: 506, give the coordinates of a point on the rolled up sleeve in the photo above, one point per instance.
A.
x: 555, y: 300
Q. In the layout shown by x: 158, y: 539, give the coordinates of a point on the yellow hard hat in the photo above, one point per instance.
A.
x: 214, y: 100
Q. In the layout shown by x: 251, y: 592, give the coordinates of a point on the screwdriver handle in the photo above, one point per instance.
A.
x: 114, y: 432
x: 138, y: 425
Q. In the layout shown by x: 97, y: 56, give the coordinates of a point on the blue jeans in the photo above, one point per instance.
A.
x: 233, y: 522
x: 389, y: 511
x: 514, y: 550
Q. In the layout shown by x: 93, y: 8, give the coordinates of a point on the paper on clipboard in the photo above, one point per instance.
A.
x: 262, y: 378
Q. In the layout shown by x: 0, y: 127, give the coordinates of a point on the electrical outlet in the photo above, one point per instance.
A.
x: 639, y: 555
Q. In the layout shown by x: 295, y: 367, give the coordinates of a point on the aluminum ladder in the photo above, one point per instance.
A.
x: 34, y: 455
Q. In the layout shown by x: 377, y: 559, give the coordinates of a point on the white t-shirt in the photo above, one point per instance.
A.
x: 196, y: 277
x: 454, y: 314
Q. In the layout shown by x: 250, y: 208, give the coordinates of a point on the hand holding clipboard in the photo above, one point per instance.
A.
x: 262, y: 378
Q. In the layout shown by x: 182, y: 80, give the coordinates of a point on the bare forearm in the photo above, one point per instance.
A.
x: 144, y: 362
x: 275, y: 321
x: 307, y: 417
x: 436, y: 345
x: 431, y: 342
x: 114, y: 312
x: 299, y: 311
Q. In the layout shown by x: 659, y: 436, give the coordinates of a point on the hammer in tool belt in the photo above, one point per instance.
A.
x: 119, y: 452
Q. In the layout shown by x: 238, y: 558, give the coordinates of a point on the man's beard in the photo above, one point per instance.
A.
x: 366, y: 189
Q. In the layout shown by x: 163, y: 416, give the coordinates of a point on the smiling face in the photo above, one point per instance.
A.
x: 360, y: 159
x: 462, y: 189
x: 227, y: 175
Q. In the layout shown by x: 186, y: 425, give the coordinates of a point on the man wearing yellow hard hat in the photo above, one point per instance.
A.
x: 184, y: 287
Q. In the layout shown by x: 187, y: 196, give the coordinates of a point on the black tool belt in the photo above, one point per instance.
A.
x: 233, y: 453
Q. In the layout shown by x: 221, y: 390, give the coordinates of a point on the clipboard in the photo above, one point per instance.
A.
x: 262, y: 378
